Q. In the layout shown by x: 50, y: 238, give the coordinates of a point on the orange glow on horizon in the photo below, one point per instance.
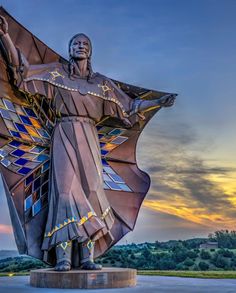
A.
x: 198, y: 216
x: 6, y: 229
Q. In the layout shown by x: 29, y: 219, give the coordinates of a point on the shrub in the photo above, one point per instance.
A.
x: 180, y: 253
x: 180, y: 267
x: 167, y: 264
x: 204, y: 254
x: 226, y: 253
x: 192, y: 254
x: 220, y: 262
x: 203, y: 266
x: 188, y: 262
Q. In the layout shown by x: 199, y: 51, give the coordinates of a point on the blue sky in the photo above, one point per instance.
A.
x: 180, y: 46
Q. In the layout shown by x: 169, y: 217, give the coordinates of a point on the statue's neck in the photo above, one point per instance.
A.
x: 81, y: 68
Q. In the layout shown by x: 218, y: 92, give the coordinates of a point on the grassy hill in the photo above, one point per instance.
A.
x: 177, y: 257
x: 159, y: 256
x: 19, y: 264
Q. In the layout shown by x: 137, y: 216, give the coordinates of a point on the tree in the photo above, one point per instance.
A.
x: 157, y: 244
x: 167, y: 263
x: 192, y: 254
x: 204, y: 254
x: 188, y: 262
x: 147, y: 253
x: 226, y: 252
x: 179, y: 253
x: 225, y: 238
x: 220, y: 262
x: 203, y: 266
x: 180, y: 267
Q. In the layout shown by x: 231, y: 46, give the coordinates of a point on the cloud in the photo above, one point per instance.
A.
x: 155, y: 225
x: 185, y: 183
x: 200, y: 169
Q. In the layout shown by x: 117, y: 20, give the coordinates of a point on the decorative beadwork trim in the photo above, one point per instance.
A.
x: 90, y: 244
x: 53, y: 83
x: 105, y: 213
x: 77, y: 90
x: 112, y: 100
x: 65, y: 244
x: 68, y: 221
x: 79, y: 223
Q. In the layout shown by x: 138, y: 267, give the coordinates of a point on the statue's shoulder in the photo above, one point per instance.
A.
x: 43, y: 70
x: 102, y: 79
x: 57, y: 74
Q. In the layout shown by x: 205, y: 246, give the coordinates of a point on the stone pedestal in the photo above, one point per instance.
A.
x: 81, y: 279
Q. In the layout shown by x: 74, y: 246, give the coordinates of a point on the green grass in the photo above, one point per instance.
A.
x: 184, y: 274
x: 14, y: 274
x: 192, y: 274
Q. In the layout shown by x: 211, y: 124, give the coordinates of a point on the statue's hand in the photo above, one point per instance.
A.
x: 167, y: 101
x: 3, y: 26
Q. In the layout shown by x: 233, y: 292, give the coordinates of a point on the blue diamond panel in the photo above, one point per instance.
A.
x: 113, y: 185
x: 14, y: 143
x: 110, y: 138
x: 24, y: 171
x: 30, y: 112
x: 22, y: 122
x: 15, y: 134
x: 5, y: 114
x: 21, y: 161
x: 28, y: 202
x: 5, y: 162
x: 22, y: 158
x: 36, y: 208
x: 18, y: 153
x: 112, y: 180
x: 21, y: 127
x: 9, y: 105
x: 36, y: 190
x: 25, y: 120
x: 29, y: 179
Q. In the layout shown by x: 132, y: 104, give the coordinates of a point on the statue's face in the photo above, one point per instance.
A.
x: 80, y: 48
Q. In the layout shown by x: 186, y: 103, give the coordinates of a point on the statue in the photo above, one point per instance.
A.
x: 66, y: 132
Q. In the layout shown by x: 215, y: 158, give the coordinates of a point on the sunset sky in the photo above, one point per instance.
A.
x: 187, y: 47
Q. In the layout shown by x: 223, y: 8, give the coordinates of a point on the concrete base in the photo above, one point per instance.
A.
x: 81, y: 279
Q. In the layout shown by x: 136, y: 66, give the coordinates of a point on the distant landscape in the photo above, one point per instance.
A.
x: 8, y: 253
x: 174, y: 255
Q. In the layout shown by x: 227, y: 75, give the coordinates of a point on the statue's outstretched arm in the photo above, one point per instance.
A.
x: 147, y: 105
x: 15, y: 60
x: 7, y: 44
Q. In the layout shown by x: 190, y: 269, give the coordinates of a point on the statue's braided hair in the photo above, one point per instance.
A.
x: 72, y: 61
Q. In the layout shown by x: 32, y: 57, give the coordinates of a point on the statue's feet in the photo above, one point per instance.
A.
x: 89, y: 265
x: 63, y: 266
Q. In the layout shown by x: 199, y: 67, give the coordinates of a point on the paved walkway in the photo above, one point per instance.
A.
x: 145, y: 284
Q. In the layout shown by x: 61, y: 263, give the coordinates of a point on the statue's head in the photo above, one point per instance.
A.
x: 80, y: 47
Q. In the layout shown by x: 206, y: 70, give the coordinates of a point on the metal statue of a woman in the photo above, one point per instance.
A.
x: 86, y: 143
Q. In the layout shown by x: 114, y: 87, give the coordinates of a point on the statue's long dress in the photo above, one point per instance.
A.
x: 76, y: 174
x: 78, y: 206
